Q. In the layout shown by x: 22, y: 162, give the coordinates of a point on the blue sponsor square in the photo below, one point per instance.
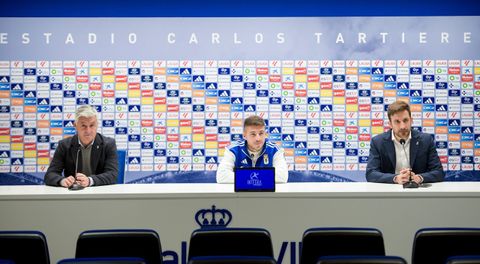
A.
x: 29, y: 71
x: 211, y: 159
x: 82, y: 101
x: 16, y: 86
x: 4, y: 109
x: 338, y: 144
x: 249, y: 108
x: 417, y: 128
x: 30, y: 94
x: 454, y: 130
x: 441, y: 144
x: 211, y: 93
x: 43, y: 139
x: 300, y: 122
x: 211, y: 122
x: 467, y: 137
x: 249, y: 86
x: 43, y: 79
x: 185, y: 100
x: 339, y: 78
x: 223, y: 71
x: 352, y: 86
x: 390, y: 86
x: 402, y: 93
x: 121, y: 131
x: 476, y: 107
x: 300, y: 152
x: 198, y: 108
x: 326, y: 137
x: 313, y: 130
x: 326, y: 159
x: 198, y: 152
x: 4, y: 86
x: 237, y: 137
x: 224, y: 130
x: 288, y: 108
x: 133, y: 71
x: 377, y: 71
x: 467, y: 129
x: 198, y: 86
x: 29, y: 101
x: 172, y: 160
x: 56, y: 123
x: 441, y: 122
x: 236, y: 78
x: 428, y: 78
x: 351, y: 152
x: 364, y: 70
x: 441, y: 85
x: 403, y: 85
x: 313, y: 159
x: 172, y: 93
x: 453, y: 93
x: 43, y: 109
x: 326, y: 70
x: 288, y: 144
x: 363, y: 159
x: 262, y: 93
x: 225, y: 93
x: 467, y: 100
x: 69, y: 94
x: 147, y: 145
x: 185, y: 71
x: 415, y: 93
x: 236, y: 108
x: 30, y: 131
x: 313, y: 152
x: 377, y: 100
x: 108, y: 123
x: 198, y: 78
x: 428, y: 100
x: 454, y: 152
x: 377, y: 78
x: 467, y: 159
x: 275, y: 100
x: 454, y: 122
x: 159, y: 152
x: 211, y: 86
x: 415, y: 100
x: 275, y: 137
x: 476, y: 144
x: 5, y: 154
x: 224, y: 100
x: 236, y: 100
x: 364, y: 93
x: 69, y: 131
x: 160, y: 86
x: 134, y: 160
x: 288, y: 137
x: 428, y: 108
x: 477, y: 137
x: 56, y: 109
x: 441, y: 108
x: 186, y: 78
x: 415, y: 70
x: 134, y: 138
x: 390, y: 78
x: 147, y: 78
x: 173, y: 71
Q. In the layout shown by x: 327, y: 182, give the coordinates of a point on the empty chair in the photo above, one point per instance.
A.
x: 232, y: 260
x: 464, y: 260
x: 319, y: 242
x: 361, y: 260
x: 24, y: 247
x: 140, y: 243
x: 230, y: 242
x: 436, y: 245
x: 103, y: 261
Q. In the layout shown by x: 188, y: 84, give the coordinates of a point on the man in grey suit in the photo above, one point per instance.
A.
x: 86, y: 159
x: 403, y: 154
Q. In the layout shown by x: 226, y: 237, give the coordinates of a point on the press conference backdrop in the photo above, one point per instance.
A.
x: 173, y: 92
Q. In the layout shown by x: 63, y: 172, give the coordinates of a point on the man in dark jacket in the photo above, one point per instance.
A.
x: 87, y: 159
x: 403, y: 154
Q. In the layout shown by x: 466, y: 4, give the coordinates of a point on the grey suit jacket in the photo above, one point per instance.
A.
x: 104, y: 162
x: 424, y: 159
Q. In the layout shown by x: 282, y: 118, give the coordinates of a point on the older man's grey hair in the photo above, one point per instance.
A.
x: 85, y: 111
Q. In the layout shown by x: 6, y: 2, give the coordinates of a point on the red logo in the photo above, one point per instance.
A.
x: 121, y: 78
x: 160, y: 130
x: 185, y: 145
x: 108, y: 71
x: 173, y: 137
x: 211, y: 137
x: 69, y: 71
x: 364, y: 137
x: 351, y: 130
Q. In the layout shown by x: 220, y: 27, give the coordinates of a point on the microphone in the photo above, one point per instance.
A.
x: 410, y: 183
x: 75, y: 186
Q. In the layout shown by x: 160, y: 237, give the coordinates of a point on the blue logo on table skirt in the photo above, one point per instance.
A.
x: 211, y: 218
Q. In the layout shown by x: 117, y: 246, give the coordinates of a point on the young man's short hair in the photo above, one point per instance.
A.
x: 253, y: 121
x: 396, y: 107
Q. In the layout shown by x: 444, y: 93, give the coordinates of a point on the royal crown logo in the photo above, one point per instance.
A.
x: 213, y: 218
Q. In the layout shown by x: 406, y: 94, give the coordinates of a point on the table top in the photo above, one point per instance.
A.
x: 205, y: 190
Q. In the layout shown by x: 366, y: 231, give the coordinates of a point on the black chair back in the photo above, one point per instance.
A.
x: 436, y: 245
x: 230, y: 242
x: 318, y: 242
x: 140, y: 243
x: 24, y: 247
x: 361, y: 260
x: 464, y: 260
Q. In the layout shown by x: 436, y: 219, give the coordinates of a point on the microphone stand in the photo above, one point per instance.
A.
x: 75, y: 186
x: 410, y: 184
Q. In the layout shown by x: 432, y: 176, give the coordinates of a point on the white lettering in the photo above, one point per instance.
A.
x: 235, y: 39
x: 3, y: 38
x: 112, y: 38
x: 193, y: 39
x: 47, y: 37
x: 92, y: 38
x: 132, y: 38
x: 403, y: 37
x: 171, y: 38
x: 215, y: 38
x: 422, y: 37
x: 259, y: 38
x: 384, y: 36
x: 362, y: 37
x: 69, y: 39
x: 317, y: 35
x: 339, y: 38
x: 444, y: 37
x: 467, y: 37
x: 25, y: 38
x: 280, y: 38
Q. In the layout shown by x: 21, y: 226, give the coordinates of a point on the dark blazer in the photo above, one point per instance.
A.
x: 423, y: 158
x: 104, y: 162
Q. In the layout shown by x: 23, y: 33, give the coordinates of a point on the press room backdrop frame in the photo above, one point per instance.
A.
x: 462, y: 152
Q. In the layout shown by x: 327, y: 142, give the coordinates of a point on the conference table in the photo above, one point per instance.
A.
x: 175, y: 210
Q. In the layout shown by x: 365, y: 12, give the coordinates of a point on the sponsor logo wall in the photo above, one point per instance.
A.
x: 174, y: 113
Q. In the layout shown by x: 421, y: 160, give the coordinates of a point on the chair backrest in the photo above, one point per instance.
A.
x: 232, y: 260
x: 436, y: 245
x: 318, y: 242
x: 361, y: 260
x: 24, y: 247
x: 140, y: 243
x: 103, y: 261
x: 122, y: 159
x: 230, y: 242
x: 474, y: 259
x: 6, y: 261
